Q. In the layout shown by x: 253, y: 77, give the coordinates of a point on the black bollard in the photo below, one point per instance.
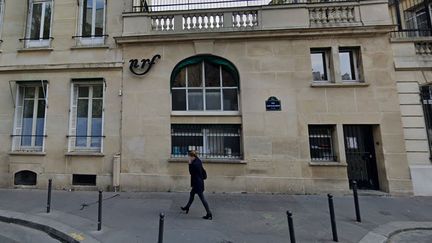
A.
x: 49, y: 196
x: 291, y: 227
x: 332, y: 217
x: 161, y: 227
x: 100, y: 211
x: 356, y: 201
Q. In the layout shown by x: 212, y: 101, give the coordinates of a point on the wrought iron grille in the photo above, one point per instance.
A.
x: 28, y: 143
x: 181, y: 5
x: 426, y: 98
x: 321, y: 143
x: 211, y: 141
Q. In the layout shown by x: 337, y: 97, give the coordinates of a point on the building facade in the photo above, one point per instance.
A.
x: 291, y: 97
x: 412, y: 45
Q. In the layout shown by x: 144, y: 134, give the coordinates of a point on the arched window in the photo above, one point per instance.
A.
x: 25, y: 178
x: 205, y: 83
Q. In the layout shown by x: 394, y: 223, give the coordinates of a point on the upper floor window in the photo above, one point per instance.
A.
x: 30, y: 117
x: 320, y: 59
x: 38, y: 32
x: 86, y: 117
x: 205, y: 83
x: 92, y: 22
x: 350, y: 64
x: 416, y: 20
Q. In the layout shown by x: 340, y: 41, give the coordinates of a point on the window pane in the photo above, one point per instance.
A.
x: 180, y: 79
x: 40, y: 122
x: 212, y: 75
x: 47, y: 21
x: 83, y: 92
x: 100, y: 5
x: 230, y: 100
x: 178, y: 100
x: 87, y: 18
x: 29, y: 92
x: 97, y: 91
x: 185, y: 138
x: 41, y: 92
x: 213, y: 99
x: 27, y: 129
x: 82, y: 121
x: 228, y: 79
x: 195, y: 75
x: 36, y: 21
x: 195, y: 98
x: 346, y: 65
x: 321, y: 144
x: 319, y: 69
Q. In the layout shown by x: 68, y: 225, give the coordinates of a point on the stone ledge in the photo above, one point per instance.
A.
x: 54, y: 229
x: 210, y: 161
x: 42, y: 49
x: 27, y: 153
x: 339, y: 85
x: 328, y: 164
x: 89, y: 154
x: 90, y: 47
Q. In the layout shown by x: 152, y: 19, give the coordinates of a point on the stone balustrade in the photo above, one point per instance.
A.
x: 257, y: 18
x: 332, y: 15
x: 423, y: 48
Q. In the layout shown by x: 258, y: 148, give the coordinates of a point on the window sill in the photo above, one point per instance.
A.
x: 23, y: 153
x: 205, y: 113
x: 209, y: 161
x: 85, y: 154
x: 339, y: 85
x: 327, y: 164
x: 36, y: 49
x: 84, y: 47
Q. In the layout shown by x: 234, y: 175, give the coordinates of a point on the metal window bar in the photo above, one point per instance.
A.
x: 426, y: 99
x: 184, y: 5
x: 211, y: 141
x: 19, y: 147
x: 321, y: 143
x: 76, y: 148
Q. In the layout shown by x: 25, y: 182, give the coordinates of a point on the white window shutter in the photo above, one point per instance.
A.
x: 18, y: 118
x: 73, y: 118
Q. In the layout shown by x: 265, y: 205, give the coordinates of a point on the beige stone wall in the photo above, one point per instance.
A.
x: 276, y: 149
x: 59, y: 65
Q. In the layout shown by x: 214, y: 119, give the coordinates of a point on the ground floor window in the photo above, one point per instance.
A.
x: 426, y: 96
x: 211, y: 141
x: 321, y: 142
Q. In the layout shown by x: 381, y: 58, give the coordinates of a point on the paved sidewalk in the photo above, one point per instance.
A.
x: 133, y: 217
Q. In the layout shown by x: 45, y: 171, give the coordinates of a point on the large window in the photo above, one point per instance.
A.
x: 205, y: 85
x: 39, y: 23
x: 211, y: 141
x: 92, y: 23
x: 426, y: 97
x: 349, y: 59
x: 86, y: 121
x: 320, y: 65
x: 416, y: 21
x: 321, y: 142
x: 30, y: 118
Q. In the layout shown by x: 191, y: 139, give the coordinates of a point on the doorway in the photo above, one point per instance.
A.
x: 361, y: 156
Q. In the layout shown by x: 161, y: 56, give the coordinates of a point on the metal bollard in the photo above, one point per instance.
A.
x: 291, y: 227
x: 356, y: 201
x: 332, y: 217
x: 49, y: 196
x: 161, y: 227
x: 100, y: 211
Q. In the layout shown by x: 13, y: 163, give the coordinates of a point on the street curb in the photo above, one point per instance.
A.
x: 54, y: 229
x: 384, y: 232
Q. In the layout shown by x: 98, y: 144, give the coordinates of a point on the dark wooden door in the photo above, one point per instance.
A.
x: 360, y: 155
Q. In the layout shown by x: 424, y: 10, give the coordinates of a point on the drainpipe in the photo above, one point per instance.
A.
x: 116, y: 172
x: 398, y: 15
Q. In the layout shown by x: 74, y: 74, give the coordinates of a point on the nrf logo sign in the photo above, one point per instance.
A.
x: 144, y: 66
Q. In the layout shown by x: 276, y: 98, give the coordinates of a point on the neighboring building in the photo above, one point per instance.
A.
x: 293, y: 97
x: 412, y: 47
